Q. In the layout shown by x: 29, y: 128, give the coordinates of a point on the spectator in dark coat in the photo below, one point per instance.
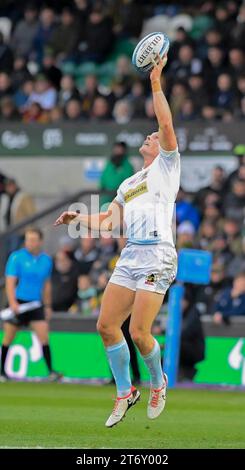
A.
x: 6, y: 56
x: 207, y: 295
x: 44, y: 33
x: 50, y: 70
x: 86, y: 254
x: 64, y: 282
x: 216, y: 186
x: 234, y: 202
x: 25, y: 32
x: 192, y: 343
x: 231, y: 301
x: 99, y: 35
x: 20, y: 72
x: 68, y: 90
x: 224, y: 96
x: 65, y: 37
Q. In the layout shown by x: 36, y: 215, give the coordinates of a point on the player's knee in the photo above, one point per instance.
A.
x: 137, y: 335
x: 103, y: 329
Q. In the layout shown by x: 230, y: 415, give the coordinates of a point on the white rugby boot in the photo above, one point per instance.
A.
x: 121, y: 407
x: 157, y: 400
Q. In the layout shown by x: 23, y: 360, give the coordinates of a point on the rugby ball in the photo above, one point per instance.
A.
x: 147, y: 49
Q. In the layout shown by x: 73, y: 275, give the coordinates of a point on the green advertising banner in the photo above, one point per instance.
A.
x: 82, y: 356
x: 93, y: 138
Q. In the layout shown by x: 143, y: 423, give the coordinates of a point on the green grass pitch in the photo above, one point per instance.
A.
x: 67, y: 415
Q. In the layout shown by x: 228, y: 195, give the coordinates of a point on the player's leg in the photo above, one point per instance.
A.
x: 116, y: 306
x: 146, y: 307
x: 41, y: 329
x: 10, y: 331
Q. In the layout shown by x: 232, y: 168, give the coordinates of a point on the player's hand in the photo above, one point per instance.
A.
x: 66, y: 218
x: 15, y: 307
x: 158, y: 63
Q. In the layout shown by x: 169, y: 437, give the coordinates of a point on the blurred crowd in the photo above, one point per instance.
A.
x: 71, y: 61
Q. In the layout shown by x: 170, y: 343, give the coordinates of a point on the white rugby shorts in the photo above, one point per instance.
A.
x: 148, y: 267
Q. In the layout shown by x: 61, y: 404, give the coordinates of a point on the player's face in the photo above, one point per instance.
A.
x: 33, y: 242
x: 150, y: 147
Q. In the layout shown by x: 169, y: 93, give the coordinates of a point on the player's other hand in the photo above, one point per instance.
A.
x: 158, y: 63
x: 66, y: 218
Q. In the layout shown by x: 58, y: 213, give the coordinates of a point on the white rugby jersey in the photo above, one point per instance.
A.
x: 148, y: 198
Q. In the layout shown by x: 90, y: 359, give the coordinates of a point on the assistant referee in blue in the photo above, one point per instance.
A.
x: 28, y: 272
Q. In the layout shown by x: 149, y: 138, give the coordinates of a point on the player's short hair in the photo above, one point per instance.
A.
x: 35, y: 230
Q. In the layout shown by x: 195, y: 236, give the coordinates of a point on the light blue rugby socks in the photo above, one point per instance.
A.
x: 119, y: 359
x: 153, y: 362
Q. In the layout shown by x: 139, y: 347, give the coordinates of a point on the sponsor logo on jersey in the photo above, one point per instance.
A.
x: 133, y: 193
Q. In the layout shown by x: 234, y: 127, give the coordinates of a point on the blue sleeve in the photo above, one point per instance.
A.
x: 49, y: 269
x: 12, y: 266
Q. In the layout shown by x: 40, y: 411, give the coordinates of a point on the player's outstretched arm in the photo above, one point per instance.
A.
x: 102, y: 221
x: 167, y: 136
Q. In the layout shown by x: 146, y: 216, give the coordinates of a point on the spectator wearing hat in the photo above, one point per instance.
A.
x: 185, y: 235
x: 116, y: 170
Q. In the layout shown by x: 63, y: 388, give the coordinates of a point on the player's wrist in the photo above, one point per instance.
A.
x: 156, y: 85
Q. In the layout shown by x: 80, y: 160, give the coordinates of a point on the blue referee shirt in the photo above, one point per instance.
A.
x: 32, y: 271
